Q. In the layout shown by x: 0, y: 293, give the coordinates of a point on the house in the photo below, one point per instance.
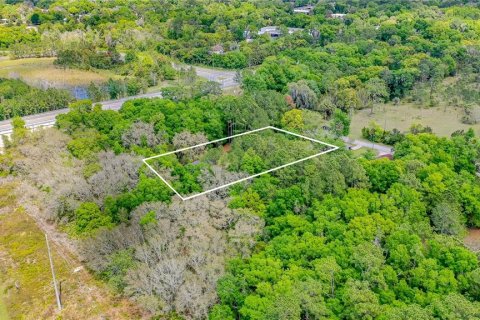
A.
x: 272, y: 31
x: 275, y: 32
x: 337, y: 15
x: 305, y: 9
x: 4, y: 21
x: 217, y: 49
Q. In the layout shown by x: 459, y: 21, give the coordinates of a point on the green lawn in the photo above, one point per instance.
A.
x: 443, y: 120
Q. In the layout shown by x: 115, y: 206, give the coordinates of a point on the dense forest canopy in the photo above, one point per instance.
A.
x: 341, y: 236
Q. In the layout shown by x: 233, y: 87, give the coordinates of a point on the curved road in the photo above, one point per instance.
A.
x: 358, y: 143
x: 226, y: 78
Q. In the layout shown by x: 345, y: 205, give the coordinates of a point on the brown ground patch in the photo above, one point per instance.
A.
x: 472, y: 240
x: 227, y: 147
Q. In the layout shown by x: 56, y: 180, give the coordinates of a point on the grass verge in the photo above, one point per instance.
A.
x: 26, y: 277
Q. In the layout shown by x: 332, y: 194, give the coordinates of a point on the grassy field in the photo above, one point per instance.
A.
x: 26, y: 281
x: 443, y: 121
x: 3, y: 308
x: 41, y: 71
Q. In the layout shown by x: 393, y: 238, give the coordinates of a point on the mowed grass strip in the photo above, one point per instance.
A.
x: 26, y: 281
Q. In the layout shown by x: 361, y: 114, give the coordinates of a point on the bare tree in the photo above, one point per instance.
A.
x: 118, y: 174
x: 180, y: 256
x: 186, y: 139
x: 216, y: 176
x: 142, y: 134
x: 41, y: 161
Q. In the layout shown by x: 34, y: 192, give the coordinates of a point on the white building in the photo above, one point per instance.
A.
x: 305, y: 9
x: 337, y: 15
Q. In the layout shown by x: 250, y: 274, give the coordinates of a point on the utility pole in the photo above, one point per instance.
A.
x: 55, y: 286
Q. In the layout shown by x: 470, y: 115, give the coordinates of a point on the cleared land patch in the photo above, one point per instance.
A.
x: 42, y: 72
x: 214, y: 165
x: 26, y: 281
x: 443, y: 121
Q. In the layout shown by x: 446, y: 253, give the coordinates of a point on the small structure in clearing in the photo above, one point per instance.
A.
x: 336, y: 15
x: 217, y: 49
x: 308, y: 9
x: 275, y: 31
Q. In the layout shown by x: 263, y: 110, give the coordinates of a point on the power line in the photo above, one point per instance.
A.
x: 57, y: 293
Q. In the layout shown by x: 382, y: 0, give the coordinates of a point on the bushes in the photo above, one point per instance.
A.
x: 117, y: 268
x: 340, y: 123
x: 19, y: 99
x: 88, y: 218
x: 229, y: 60
x: 87, y: 56
x: 375, y: 133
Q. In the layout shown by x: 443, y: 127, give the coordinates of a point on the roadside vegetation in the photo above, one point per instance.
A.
x: 19, y: 99
x: 26, y: 279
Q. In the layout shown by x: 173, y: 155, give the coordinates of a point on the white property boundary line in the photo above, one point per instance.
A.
x: 333, y: 148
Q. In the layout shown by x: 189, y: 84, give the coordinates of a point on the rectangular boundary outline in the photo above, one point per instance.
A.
x: 333, y: 148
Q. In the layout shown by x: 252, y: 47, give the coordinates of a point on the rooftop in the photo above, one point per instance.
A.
x: 304, y: 9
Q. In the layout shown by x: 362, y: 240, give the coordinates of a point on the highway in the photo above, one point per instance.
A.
x: 225, y: 77
x: 47, y: 119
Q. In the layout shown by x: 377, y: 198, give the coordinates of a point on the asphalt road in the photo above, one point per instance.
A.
x: 48, y: 118
x: 380, y: 148
x: 224, y: 77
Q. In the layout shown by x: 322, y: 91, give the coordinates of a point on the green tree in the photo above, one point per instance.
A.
x: 251, y: 162
x: 382, y: 173
x: 340, y: 123
x: 302, y: 95
x: 19, y: 130
x: 88, y: 218
x: 35, y: 19
x: 448, y: 219
x: 359, y: 301
x: 293, y: 120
